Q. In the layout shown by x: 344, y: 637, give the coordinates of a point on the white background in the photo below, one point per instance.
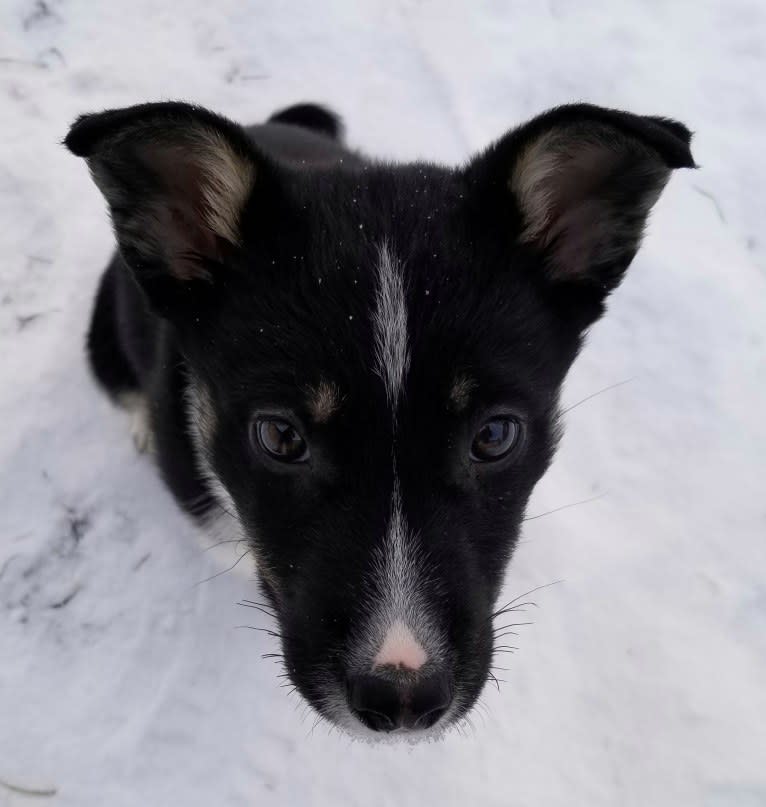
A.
x: 643, y: 679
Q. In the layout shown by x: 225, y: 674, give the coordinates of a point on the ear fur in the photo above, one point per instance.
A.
x: 177, y: 179
x: 582, y: 180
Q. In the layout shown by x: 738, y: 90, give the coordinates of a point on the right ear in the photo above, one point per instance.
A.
x: 572, y: 189
x: 177, y: 179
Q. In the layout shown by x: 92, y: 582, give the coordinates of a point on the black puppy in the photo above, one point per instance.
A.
x: 359, y: 363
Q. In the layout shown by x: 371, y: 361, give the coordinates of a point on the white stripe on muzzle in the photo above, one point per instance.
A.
x: 401, y: 632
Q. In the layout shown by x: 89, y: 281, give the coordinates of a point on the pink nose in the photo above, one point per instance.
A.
x: 400, y: 648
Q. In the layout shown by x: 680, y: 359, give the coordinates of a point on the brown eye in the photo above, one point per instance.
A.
x: 495, y: 439
x: 280, y: 440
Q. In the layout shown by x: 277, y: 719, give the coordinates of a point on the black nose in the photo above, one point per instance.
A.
x: 384, y: 704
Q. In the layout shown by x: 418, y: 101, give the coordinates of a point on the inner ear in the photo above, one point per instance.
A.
x: 584, y: 195
x: 177, y: 179
x: 201, y: 188
x: 573, y: 189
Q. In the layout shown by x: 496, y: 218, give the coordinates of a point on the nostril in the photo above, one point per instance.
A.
x: 375, y: 720
x: 429, y: 700
x: 376, y: 702
x: 384, y: 705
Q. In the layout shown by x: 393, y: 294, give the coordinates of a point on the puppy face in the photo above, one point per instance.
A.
x: 379, y: 444
x: 375, y: 356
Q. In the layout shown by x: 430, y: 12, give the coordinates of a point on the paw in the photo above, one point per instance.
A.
x: 140, y: 427
x: 141, y: 432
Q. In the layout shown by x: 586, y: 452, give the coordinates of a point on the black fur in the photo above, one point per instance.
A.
x: 311, y: 116
x: 110, y: 365
x: 259, y: 321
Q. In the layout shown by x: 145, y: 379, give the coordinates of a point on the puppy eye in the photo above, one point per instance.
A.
x: 279, y: 439
x: 495, y: 439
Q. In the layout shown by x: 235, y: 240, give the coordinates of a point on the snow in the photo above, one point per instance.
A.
x: 123, y: 680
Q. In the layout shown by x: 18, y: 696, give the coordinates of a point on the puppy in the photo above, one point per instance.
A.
x: 359, y: 363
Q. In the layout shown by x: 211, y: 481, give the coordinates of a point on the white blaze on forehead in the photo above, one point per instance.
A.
x: 400, y: 649
x: 392, y: 356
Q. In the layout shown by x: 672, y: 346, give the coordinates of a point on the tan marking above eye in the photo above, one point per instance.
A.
x: 324, y: 400
x: 460, y: 394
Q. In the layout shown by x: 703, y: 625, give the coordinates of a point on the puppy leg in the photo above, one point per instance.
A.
x: 108, y: 361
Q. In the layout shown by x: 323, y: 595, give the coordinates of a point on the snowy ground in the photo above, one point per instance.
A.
x: 643, y: 679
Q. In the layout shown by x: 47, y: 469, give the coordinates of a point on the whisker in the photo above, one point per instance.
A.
x: 262, y: 604
x: 262, y: 630
x: 256, y: 607
x: 526, y: 593
x: 514, y: 625
x: 220, y: 543
x: 564, y: 507
x: 218, y: 574
x: 594, y: 394
x: 507, y: 633
x: 517, y: 609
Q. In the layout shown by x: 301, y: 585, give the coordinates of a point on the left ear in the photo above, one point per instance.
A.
x: 177, y: 179
x: 581, y: 181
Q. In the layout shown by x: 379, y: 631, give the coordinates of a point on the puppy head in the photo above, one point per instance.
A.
x: 375, y: 356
